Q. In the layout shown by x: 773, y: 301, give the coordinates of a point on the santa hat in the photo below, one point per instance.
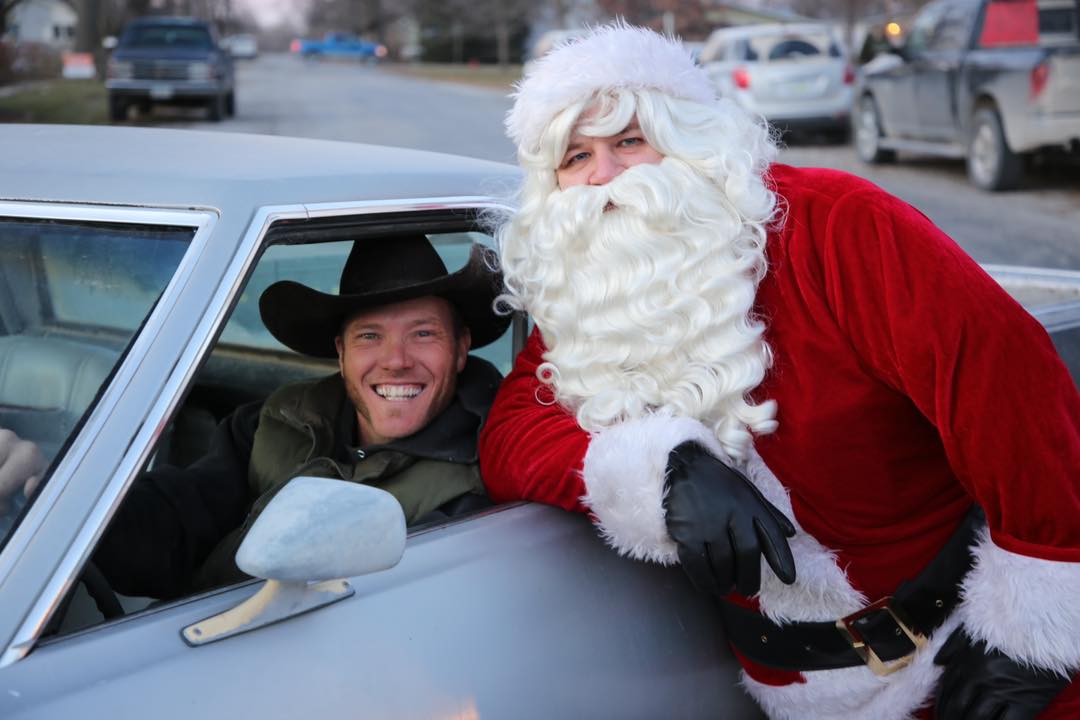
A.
x: 608, y: 57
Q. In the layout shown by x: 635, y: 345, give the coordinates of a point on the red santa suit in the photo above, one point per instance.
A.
x: 908, y: 384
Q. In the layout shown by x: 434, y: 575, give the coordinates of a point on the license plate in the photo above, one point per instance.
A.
x: 161, y: 92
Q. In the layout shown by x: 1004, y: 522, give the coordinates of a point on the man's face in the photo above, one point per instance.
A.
x: 598, y: 160
x: 400, y: 363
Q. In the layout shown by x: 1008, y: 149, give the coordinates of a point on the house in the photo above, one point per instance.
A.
x: 51, y: 22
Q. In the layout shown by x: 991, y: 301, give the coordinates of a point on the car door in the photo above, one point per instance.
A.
x: 515, y: 611
x: 936, y: 70
x: 893, y: 83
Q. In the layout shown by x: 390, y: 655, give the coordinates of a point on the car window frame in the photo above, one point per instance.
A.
x: 19, y: 636
x: 15, y: 548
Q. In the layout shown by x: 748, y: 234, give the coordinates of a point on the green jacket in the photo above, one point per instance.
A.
x: 308, y: 428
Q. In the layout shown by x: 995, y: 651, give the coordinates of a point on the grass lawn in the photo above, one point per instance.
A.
x: 80, y: 102
x: 491, y: 76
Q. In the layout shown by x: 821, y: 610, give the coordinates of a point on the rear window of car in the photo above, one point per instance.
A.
x: 780, y: 48
x: 168, y: 36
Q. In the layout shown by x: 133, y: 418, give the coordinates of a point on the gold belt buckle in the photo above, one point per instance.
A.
x: 846, y: 626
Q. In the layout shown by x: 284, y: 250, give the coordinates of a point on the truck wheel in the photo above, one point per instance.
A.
x: 230, y: 104
x: 867, y: 130
x: 991, y: 164
x: 216, y: 108
x: 118, y: 109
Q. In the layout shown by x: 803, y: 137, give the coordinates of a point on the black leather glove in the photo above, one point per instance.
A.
x: 983, y: 684
x: 722, y: 524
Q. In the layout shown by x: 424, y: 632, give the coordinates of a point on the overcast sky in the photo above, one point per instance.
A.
x: 273, y: 12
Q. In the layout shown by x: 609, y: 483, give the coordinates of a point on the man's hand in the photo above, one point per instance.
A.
x: 21, y: 466
x: 722, y: 525
x: 983, y: 684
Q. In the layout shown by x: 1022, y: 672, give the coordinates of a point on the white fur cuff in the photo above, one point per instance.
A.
x: 1023, y: 606
x: 624, y: 474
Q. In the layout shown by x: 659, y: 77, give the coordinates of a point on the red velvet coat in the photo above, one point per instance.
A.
x: 908, y: 383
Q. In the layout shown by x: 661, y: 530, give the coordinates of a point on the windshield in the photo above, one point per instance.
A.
x: 72, y: 297
x: 168, y: 36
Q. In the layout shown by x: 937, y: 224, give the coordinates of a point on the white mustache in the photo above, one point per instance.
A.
x: 646, y: 189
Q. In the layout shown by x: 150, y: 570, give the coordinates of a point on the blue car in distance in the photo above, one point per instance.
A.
x: 341, y: 45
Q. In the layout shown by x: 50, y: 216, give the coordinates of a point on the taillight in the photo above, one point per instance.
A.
x: 849, y: 75
x: 741, y: 78
x: 1039, y: 76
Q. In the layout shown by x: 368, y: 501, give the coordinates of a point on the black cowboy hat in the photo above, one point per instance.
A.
x: 381, y: 272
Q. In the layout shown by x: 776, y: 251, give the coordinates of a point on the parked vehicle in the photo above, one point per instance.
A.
x: 116, y: 289
x: 129, y: 326
x: 243, y: 46
x: 797, y: 76
x: 173, y: 61
x: 990, y: 81
x: 339, y: 45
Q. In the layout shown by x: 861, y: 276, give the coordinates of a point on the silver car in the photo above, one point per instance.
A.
x: 131, y: 261
x: 796, y: 76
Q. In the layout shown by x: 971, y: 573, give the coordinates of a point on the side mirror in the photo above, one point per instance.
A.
x: 109, y: 42
x: 320, y: 529
x: 314, y: 532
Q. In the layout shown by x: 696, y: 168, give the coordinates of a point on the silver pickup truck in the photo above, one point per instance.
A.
x: 992, y: 81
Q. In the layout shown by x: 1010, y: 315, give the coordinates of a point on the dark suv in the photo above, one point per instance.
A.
x: 175, y: 61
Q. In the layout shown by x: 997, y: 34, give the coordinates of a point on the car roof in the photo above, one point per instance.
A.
x: 189, y: 168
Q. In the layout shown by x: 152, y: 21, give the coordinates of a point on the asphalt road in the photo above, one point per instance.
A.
x: 1038, y: 225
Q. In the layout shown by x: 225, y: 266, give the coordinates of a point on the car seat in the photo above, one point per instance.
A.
x: 47, y: 383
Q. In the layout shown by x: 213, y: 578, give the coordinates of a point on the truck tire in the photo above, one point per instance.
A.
x: 991, y: 163
x: 215, y: 109
x: 118, y: 109
x: 866, y: 127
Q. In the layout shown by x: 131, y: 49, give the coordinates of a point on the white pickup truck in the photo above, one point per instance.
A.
x: 992, y: 81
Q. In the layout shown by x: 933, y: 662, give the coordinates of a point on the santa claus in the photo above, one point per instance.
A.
x: 796, y: 386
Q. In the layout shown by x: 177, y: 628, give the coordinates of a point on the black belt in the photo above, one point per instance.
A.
x: 881, y: 636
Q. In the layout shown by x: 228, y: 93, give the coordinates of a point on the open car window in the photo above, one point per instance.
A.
x: 72, y: 297
x: 247, y: 364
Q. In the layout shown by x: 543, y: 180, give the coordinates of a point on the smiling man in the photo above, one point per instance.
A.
x: 794, y: 385
x: 403, y: 414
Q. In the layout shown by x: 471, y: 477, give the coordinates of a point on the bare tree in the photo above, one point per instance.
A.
x: 6, y: 6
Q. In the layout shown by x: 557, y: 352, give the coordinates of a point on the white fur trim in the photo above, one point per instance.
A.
x: 611, y: 56
x: 821, y: 590
x: 1025, y: 607
x: 856, y: 693
x: 624, y: 474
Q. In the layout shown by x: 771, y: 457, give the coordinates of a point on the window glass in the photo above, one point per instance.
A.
x: 1059, y: 21
x: 72, y: 296
x: 319, y: 266
x: 953, y: 29
x: 790, y: 47
x: 176, y: 36
x: 210, y: 442
x: 1067, y: 343
x: 923, y: 28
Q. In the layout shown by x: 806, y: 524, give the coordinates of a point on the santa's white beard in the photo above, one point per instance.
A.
x: 643, y: 290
